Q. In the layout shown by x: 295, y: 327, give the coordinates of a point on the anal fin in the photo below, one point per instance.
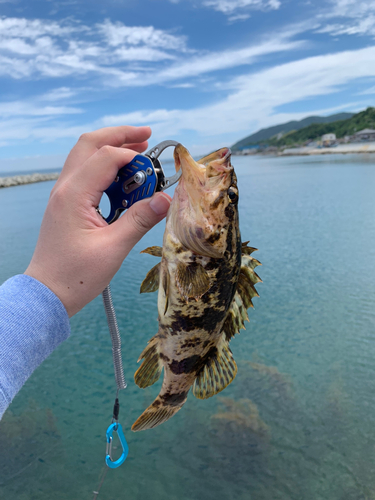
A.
x: 150, y: 370
x: 217, y: 374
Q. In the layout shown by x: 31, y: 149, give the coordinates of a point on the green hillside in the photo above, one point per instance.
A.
x: 267, y: 133
x: 357, y: 122
x: 360, y: 121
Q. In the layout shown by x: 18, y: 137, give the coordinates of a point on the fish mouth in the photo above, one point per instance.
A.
x: 221, y: 155
x: 205, y: 174
x: 185, y: 162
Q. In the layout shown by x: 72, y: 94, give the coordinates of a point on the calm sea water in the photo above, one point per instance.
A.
x: 298, y: 422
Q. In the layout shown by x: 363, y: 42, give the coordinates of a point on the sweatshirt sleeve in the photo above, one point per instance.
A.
x: 33, y: 322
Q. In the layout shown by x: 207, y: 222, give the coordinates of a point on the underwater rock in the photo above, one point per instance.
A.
x: 279, y: 381
x: 244, y: 414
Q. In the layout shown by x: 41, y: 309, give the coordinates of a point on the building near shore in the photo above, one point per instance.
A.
x: 367, y: 134
x: 328, y: 139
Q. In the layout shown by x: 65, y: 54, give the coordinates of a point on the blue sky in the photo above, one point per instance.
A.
x: 203, y: 72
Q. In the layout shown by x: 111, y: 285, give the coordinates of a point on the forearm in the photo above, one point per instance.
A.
x: 33, y: 322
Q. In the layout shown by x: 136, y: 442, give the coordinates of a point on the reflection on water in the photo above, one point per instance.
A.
x: 297, y: 422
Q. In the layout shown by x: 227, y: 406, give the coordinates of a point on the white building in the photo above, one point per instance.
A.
x: 328, y: 139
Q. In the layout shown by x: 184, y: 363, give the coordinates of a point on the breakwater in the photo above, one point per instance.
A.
x: 17, y: 180
x: 367, y: 147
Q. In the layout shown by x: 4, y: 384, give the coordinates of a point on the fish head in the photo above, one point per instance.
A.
x: 204, y: 213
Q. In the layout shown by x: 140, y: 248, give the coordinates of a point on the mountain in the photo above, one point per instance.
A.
x: 266, y: 133
x: 341, y: 128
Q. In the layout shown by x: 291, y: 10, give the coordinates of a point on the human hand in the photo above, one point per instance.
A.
x: 78, y: 253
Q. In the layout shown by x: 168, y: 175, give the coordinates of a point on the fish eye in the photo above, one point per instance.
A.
x: 233, y: 195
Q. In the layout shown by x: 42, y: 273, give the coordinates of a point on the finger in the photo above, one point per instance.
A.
x: 139, y: 147
x: 100, y: 170
x: 137, y: 221
x: 89, y: 143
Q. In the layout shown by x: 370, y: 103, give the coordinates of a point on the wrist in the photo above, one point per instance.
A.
x: 33, y: 272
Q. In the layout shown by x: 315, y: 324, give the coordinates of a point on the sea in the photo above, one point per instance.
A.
x: 297, y: 423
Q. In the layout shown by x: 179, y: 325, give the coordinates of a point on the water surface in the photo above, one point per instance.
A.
x: 298, y: 421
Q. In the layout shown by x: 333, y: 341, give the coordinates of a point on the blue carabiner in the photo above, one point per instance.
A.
x: 125, y: 448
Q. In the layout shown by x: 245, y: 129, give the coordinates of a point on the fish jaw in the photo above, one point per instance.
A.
x: 206, y: 177
x: 201, y: 212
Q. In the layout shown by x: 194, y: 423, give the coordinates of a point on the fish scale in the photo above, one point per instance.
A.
x: 206, y: 283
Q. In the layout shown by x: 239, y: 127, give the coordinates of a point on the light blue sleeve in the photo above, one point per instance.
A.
x: 33, y: 322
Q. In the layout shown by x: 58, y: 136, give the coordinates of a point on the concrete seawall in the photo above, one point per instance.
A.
x: 368, y: 147
x: 17, y: 180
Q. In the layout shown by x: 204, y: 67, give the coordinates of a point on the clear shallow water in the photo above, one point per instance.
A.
x: 297, y: 422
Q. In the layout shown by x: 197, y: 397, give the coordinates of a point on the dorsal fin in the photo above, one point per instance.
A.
x: 217, y: 373
x: 156, y: 251
x: 151, y: 281
x: 247, y: 250
x: 149, y: 371
x: 245, y: 292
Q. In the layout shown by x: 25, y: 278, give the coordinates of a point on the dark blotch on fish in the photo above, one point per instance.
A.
x: 174, y: 399
x: 186, y: 365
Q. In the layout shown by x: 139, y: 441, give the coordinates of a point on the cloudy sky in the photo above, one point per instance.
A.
x: 203, y: 72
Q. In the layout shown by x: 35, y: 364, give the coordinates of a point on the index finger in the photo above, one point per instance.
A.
x: 90, y: 142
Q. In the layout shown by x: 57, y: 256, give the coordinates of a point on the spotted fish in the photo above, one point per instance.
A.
x: 206, y: 284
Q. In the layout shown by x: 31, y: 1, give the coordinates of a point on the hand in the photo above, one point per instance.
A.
x: 78, y: 253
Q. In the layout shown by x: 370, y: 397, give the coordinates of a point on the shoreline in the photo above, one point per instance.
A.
x: 353, y: 148
x: 19, y: 180
x: 368, y: 147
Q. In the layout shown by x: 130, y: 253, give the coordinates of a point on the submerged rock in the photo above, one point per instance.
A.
x: 243, y: 414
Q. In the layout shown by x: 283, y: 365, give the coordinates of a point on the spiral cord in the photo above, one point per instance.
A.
x: 115, y: 337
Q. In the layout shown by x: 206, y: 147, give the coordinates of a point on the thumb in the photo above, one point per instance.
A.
x: 139, y: 219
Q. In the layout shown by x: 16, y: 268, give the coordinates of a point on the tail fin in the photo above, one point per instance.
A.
x: 161, y: 410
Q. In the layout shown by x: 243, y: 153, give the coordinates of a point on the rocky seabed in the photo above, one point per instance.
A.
x: 17, y: 180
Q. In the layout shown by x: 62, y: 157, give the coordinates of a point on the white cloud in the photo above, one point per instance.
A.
x: 230, y: 6
x: 354, y: 17
x: 255, y: 98
x: 24, y: 108
x: 252, y: 103
x: 238, y: 17
x: 233, y: 8
x: 216, y: 61
x: 36, y: 48
x: 371, y: 90
x: 58, y: 94
x: 119, y: 55
x: 117, y: 34
x: 15, y: 27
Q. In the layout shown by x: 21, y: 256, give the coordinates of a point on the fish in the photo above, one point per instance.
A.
x: 206, y: 283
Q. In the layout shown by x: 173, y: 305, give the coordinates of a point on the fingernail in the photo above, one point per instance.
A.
x: 160, y: 204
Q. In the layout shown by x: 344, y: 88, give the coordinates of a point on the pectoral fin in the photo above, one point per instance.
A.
x: 165, y: 280
x: 149, y: 371
x: 151, y: 281
x: 217, y: 374
x: 192, y: 280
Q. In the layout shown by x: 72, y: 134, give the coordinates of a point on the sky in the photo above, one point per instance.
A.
x: 205, y: 73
